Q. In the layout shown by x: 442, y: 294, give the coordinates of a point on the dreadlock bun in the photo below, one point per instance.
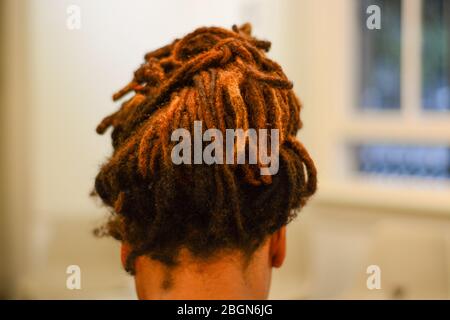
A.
x: 224, y: 79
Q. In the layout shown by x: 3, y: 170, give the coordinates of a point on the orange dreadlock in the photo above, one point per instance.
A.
x: 223, y: 78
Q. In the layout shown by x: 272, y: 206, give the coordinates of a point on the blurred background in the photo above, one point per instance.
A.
x: 376, y: 120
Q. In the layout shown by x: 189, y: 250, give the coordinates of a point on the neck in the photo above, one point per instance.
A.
x: 224, y: 278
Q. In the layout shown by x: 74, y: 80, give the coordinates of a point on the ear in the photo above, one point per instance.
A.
x: 278, y: 247
x: 124, y: 252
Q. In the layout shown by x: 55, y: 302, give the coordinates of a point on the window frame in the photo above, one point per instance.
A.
x: 338, y: 182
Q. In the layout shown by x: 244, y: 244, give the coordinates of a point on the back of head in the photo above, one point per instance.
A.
x: 223, y: 79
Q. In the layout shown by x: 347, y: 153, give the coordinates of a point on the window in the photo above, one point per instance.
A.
x: 381, y: 55
x: 380, y: 58
x: 381, y: 127
x: 394, y: 160
x: 409, y: 29
x: 436, y: 55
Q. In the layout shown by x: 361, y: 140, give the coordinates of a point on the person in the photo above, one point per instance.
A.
x: 195, y: 230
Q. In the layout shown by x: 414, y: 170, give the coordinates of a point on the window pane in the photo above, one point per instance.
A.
x: 436, y: 55
x: 404, y: 160
x: 380, y: 57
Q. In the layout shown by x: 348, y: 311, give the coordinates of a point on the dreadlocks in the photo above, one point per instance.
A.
x: 223, y: 78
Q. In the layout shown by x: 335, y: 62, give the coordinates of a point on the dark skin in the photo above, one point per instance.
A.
x: 224, y: 277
